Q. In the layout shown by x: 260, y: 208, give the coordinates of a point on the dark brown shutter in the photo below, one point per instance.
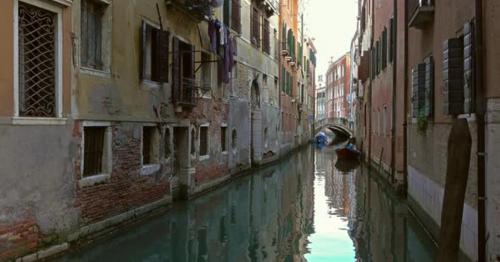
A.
x: 265, y: 37
x: 418, y: 89
x: 176, y: 69
x: 384, y: 48
x: 236, y: 15
x: 392, y: 39
x: 145, y: 30
x: 453, y: 76
x: 255, y: 35
x: 429, y: 87
x: 161, y: 57
x: 469, y: 78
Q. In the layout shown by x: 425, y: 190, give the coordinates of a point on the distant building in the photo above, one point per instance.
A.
x: 338, y: 88
x: 320, y: 99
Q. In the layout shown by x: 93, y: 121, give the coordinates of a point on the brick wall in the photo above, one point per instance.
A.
x: 18, y: 238
x: 127, y: 188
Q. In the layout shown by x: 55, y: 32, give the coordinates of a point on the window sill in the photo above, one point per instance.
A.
x: 39, y: 121
x: 94, y: 180
x: 149, y: 84
x: 205, y: 157
x: 94, y: 72
x: 151, y: 169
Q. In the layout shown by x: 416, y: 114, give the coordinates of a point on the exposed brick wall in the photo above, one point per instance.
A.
x: 18, y: 238
x: 209, y: 172
x: 126, y: 189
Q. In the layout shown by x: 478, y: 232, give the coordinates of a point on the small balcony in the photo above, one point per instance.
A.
x: 197, y: 9
x: 421, y: 13
x: 187, y: 95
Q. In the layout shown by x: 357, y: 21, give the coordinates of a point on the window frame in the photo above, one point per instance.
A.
x: 207, y: 155
x: 107, y: 161
x: 150, y: 82
x: 154, y: 166
x: 27, y: 120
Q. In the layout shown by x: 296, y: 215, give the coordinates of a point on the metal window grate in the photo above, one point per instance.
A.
x: 37, y: 64
x: 93, y: 150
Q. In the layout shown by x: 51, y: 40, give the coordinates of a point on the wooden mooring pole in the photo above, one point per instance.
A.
x: 459, y: 148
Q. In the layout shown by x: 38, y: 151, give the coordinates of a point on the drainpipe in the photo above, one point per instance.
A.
x: 405, y: 116
x: 394, y: 105
x: 480, y: 111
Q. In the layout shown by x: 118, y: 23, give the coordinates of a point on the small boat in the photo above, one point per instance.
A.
x: 348, y: 152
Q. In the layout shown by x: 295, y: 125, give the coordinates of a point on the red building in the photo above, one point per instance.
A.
x: 338, y: 78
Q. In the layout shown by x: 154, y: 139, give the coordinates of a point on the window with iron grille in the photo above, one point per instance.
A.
x: 91, y: 26
x: 37, y: 61
x: 204, y: 141
x: 266, y: 43
x: 255, y: 30
x: 94, y: 144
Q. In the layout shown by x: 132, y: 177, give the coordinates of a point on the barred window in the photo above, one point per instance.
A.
x: 96, y: 150
x: 92, y: 13
x: 37, y: 61
x: 204, y: 141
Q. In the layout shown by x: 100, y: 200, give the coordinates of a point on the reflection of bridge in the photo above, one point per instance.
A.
x: 337, y: 125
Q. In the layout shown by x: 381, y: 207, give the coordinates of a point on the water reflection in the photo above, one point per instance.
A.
x: 301, y: 209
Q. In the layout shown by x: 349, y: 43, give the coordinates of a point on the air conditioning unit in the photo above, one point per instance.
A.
x: 284, y: 52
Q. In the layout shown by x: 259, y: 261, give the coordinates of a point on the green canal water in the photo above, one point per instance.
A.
x: 300, y: 209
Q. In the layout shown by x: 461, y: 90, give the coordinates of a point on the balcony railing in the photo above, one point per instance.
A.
x: 421, y: 13
x: 187, y: 95
x: 198, y: 9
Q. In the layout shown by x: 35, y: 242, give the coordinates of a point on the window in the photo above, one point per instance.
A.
x: 206, y: 75
x: 183, y: 74
x: 154, y: 53
x: 266, y: 43
x: 223, y: 135
x: 234, y: 138
x: 266, y: 137
x: 255, y: 30
x: 384, y: 48
x: 96, y: 150
x: 38, y: 78
x: 168, y: 145
x: 193, y: 138
x: 91, y: 26
x: 392, y: 41
x: 203, y: 141
x: 149, y: 145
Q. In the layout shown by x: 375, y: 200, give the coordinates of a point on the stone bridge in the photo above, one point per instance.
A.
x: 337, y: 125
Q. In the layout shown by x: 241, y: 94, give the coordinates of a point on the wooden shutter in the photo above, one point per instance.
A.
x: 418, y: 89
x: 144, y: 31
x: 255, y: 27
x: 266, y: 44
x: 161, y: 57
x: 392, y: 40
x: 469, y: 78
x: 428, y: 109
x: 176, y: 69
x: 236, y: 15
x: 384, y: 48
x: 453, y: 76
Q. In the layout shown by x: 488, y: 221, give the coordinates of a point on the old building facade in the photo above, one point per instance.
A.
x: 126, y: 106
x: 422, y: 65
x: 338, y: 85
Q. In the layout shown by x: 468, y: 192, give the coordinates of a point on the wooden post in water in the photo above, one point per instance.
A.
x: 459, y: 148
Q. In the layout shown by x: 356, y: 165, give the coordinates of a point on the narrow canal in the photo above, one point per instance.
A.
x: 301, y: 209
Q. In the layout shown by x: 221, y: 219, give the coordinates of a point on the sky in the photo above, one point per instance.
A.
x: 332, y: 23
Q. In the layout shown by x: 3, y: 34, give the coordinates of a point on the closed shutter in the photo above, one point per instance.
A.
x: 428, y: 109
x: 453, y: 77
x: 469, y: 78
x: 236, y: 15
x: 144, y: 32
x: 176, y: 70
x: 160, y: 55
x: 418, y: 89
x: 384, y: 48
x: 266, y: 44
x: 392, y: 39
x: 255, y: 27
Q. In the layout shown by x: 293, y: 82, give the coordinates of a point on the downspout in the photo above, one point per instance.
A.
x: 394, y: 84
x: 480, y: 111
x: 405, y: 116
